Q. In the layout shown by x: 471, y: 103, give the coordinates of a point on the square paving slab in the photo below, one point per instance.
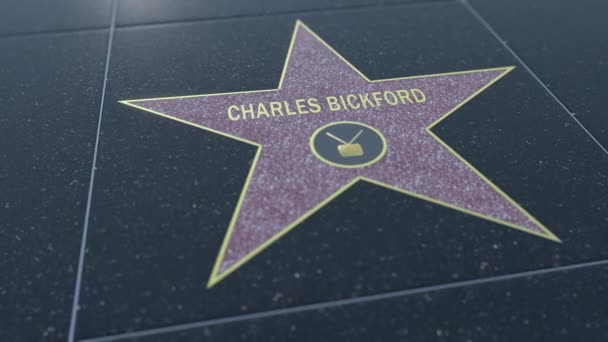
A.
x: 332, y: 171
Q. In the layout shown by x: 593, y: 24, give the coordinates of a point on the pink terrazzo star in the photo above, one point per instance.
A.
x: 287, y: 183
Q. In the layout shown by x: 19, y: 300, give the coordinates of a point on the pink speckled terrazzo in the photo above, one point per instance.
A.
x: 288, y: 181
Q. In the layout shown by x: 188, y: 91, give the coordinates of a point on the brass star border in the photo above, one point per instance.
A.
x: 216, y: 276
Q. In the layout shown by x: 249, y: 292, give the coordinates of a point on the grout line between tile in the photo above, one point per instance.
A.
x: 485, y: 24
x: 85, y: 229
x: 51, y: 32
x: 379, y: 4
x: 343, y: 302
x: 371, y: 6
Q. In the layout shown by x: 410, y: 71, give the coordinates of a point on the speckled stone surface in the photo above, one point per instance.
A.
x: 30, y: 17
x: 144, y: 11
x: 50, y: 91
x: 569, y: 56
x: 564, y: 306
x: 165, y: 192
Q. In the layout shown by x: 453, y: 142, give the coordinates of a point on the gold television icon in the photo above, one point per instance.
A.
x: 350, y: 150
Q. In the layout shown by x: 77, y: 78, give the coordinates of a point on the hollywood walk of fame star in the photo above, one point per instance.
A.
x: 287, y: 182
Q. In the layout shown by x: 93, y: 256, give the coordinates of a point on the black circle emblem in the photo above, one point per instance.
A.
x: 348, y: 144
